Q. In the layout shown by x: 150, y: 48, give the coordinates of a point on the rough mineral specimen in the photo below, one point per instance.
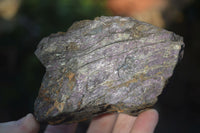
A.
x: 109, y: 64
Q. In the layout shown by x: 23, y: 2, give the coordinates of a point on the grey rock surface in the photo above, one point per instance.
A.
x: 105, y: 65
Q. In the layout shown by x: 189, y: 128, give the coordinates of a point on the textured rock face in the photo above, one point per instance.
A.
x: 110, y: 64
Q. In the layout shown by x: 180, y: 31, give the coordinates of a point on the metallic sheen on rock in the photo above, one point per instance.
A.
x: 110, y: 64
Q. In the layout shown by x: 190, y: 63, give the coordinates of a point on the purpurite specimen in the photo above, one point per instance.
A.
x: 109, y: 64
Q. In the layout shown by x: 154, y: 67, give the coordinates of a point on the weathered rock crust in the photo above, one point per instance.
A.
x: 109, y: 64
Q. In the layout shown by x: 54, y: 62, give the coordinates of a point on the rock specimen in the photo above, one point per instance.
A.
x: 109, y: 64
